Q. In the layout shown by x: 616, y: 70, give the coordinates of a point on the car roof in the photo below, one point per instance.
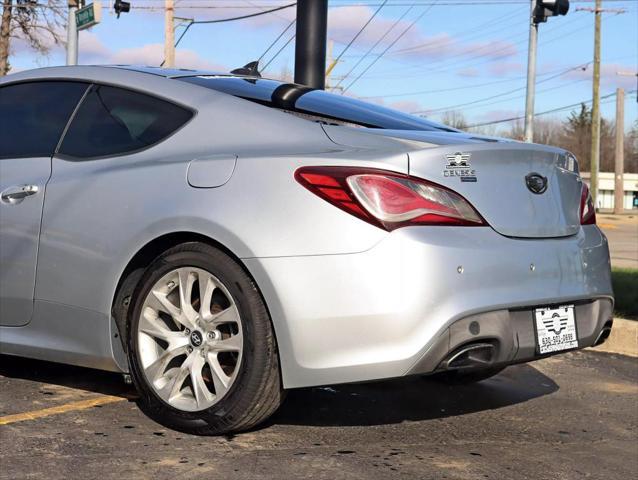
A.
x: 78, y: 71
x: 170, y: 72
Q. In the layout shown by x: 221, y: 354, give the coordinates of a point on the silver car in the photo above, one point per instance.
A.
x: 223, y: 238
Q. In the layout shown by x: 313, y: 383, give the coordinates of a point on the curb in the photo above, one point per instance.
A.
x: 623, y: 338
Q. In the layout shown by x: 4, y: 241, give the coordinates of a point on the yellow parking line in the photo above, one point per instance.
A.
x: 68, y: 407
x: 607, y: 225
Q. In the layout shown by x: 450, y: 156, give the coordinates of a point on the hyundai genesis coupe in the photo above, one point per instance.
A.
x: 222, y: 238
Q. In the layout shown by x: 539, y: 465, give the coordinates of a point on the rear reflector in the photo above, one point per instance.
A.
x: 388, y: 200
x: 587, y: 210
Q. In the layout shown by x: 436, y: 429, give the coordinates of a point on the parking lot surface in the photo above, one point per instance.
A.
x: 567, y: 417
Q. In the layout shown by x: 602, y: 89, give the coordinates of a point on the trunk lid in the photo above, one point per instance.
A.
x: 500, y: 180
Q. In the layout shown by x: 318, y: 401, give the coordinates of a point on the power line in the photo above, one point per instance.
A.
x: 446, y: 65
x: 447, y: 68
x: 476, y: 85
x: 553, y: 110
x: 350, y: 3
x: 279, y: 51
x: 492, y: 23
x: 549, y: 89
x: 336, y: 60
x: 388, y: 48
x: 374, y: 46
x: 231, y: 19
x: 481, y: 100
x: 277, y: 39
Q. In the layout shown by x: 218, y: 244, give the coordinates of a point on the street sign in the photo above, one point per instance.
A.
x: 88, y: 16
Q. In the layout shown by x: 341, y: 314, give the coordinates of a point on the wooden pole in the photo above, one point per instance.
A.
x: 169, y: 34
x: 619, y: 193
x: 595, y: 110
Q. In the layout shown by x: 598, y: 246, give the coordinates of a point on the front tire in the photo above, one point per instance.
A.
x: 202, y: 350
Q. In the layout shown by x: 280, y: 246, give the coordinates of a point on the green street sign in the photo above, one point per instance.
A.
x: 88, y: 16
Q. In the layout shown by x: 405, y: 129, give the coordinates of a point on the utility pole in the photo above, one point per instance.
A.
x: 531, y: 76
x: 595, y: 111
x: 169, y: 34
x: 619, y: 193
x: 72, y: 34
x: 540, y: 10
x: 623, y: 73
x: 331, y: 64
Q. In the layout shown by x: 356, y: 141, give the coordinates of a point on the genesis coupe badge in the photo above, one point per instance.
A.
x: 536, y: 183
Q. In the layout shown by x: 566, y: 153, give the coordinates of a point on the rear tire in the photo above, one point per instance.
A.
x: 465, y: 377
x: 207, y: 365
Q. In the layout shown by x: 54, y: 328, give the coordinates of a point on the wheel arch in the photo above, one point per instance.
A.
x: 134, y: 269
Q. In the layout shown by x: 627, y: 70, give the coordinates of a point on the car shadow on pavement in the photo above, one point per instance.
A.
x: 87, y: 379
x: 410, y: 398
x: 360, y: 404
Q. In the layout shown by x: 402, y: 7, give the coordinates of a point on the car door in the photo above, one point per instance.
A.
x: 33, y: 116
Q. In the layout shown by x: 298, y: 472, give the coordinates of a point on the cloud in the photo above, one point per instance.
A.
x: 345, y: 22
x: 402, y: 105
x: 494, y: 115
x: 194, y: 9
x: 406, y: 106
x: 609, y: 77
x: 94, y: 51
x: 503, y: 69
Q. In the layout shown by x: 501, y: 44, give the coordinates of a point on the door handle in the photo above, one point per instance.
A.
x: 15, y: 195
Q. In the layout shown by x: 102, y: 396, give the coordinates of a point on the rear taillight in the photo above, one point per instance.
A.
x: 388, y: 200
x: 587, y: 210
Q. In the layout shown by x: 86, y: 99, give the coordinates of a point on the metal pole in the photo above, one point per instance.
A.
x: 72, y: 34
x: 310, y: 46
x: 619, y: 193
x: 595, y: 111
x: 169, y: 34
x: 531, y: 75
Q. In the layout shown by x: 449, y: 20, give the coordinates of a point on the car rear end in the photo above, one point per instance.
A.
x: 408, y: 247
x: 491, y: 257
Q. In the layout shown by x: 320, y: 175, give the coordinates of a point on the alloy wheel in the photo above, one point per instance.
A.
x: 190, y: 339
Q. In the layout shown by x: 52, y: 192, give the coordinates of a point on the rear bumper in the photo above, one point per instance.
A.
x: 386, y: 312
x: 510, y: 334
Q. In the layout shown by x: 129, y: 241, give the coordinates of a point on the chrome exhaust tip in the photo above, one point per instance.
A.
x: 604, y: 333
x: 473, y: 355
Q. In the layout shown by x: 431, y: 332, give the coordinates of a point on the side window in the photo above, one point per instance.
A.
x: 113, y: 121
x: 33, y: 116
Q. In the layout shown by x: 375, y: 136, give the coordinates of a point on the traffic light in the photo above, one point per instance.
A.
x: 549, y: 8
x: 121, y: 7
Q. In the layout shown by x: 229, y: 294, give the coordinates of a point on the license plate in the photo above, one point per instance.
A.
x: 555, y: 329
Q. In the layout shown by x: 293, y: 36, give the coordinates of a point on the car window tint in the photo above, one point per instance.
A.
x: 316, y: 102
x: 33, y: 116
x: 363, y: 113
x: 113, y: 121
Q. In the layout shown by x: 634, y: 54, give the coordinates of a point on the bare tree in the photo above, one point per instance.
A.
x: 631, y: 149
x: 454, y: 119
x: 38, y: 23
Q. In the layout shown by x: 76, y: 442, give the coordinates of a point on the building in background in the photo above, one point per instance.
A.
x: 606, y: 190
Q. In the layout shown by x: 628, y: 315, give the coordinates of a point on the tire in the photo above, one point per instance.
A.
x: 465, y: 377
x: 221, y: 377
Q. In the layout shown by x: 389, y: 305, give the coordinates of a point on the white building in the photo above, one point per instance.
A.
x: 606, y: 189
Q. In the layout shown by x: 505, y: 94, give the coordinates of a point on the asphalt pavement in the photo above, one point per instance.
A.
x: 571, y: 416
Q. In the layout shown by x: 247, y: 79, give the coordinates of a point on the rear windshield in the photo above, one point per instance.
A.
x: 304, y: 100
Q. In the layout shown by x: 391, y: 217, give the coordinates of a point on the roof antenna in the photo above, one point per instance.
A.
x: 250, y: 69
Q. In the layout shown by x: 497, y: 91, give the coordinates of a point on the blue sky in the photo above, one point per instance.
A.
x: 455, y: 57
